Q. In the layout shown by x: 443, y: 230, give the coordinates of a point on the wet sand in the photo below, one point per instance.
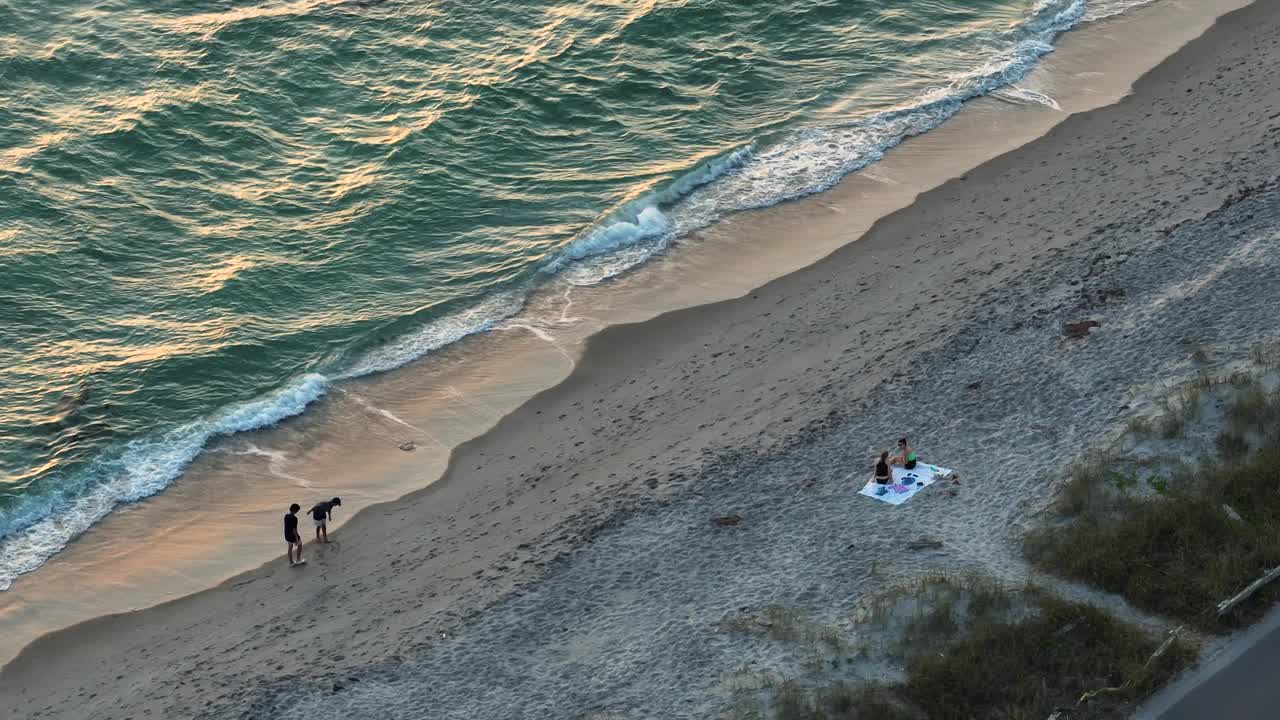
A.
x: 657, y: 415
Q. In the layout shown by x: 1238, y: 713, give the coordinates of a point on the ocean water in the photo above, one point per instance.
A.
x: 213, y: 210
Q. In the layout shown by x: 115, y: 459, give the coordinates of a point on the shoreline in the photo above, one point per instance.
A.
x: 608, y: 353
x: 345, y: 444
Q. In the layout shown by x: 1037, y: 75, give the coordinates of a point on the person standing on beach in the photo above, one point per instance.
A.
x: 291, y: 535
x: 322, y: 513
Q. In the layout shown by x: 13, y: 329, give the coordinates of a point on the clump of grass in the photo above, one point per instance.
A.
x: 1232, y: 446
x: 1255, y: 410
x: 1139, y: 426
x: 1012, y: 668
x: 1029, y: 667
x: 1172, y: 426
x: 1205, y: 381
x: 977, y: 649
x: 1179, y: 410
x: 1179, y: 554
x: 1085, y: 485
x: 1093, y: 483
x: 1241, y: 379
x: 1190, y: 401
x: 792, y: 702
x: 840, y: 701
x: 846, y: 700
x: 783, y: 624
x: 947, y: 606
x: 1266, y: 355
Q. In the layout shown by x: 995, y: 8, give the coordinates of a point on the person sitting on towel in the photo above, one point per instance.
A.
x: 882, y: 469
x: 906, y: 457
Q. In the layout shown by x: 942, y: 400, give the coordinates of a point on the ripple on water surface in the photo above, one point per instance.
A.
x: 219, y: 206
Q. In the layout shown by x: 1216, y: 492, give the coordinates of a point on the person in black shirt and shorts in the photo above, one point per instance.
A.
x: 291, y: 535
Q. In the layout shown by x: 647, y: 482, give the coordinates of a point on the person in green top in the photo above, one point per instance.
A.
x: 906, y: 457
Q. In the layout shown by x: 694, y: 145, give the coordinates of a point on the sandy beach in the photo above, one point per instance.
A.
x: 567, y: 563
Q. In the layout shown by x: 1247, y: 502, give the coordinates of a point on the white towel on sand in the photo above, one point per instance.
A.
x: 905, y: 483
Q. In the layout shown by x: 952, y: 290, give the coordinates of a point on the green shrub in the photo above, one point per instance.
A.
x: 1255, y: 409
x: 1026, y: 669
x: 997, y: 653
x: 1232, y: 446
x: 1180, y: 554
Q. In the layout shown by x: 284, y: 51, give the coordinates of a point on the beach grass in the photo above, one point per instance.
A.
x: 1091, y: 483
x: 1194, y: 544
x: 1064, y: 655
x: 1256, y: 410
x: 1183, y: 407
x: 839, y: 701
x: 783, y: 624
x: 973, y: 648
x: 1182, y: 552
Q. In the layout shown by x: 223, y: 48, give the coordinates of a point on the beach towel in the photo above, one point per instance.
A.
x: 905, y: 483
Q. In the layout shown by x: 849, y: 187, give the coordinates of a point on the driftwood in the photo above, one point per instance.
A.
x: 1227, y: 605
x: 924, y: 543
x: 1231, y: 513
x: 1164, y: 647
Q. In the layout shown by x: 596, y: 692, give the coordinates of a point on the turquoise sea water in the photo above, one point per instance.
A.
x: 211, y: 211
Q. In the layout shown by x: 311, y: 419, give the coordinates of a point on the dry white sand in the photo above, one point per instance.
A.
x: 567, y: 563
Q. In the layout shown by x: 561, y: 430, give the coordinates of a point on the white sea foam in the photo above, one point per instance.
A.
x: 35, y: 529
x: 437, y: 334
x: 635, y: 232
x: 648, y: 223
x: 1025, y: 96
x: 1103, y: 9
x: 276, y: 461
x: 370, y: 407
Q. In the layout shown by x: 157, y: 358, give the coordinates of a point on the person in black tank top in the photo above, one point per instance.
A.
x: 882, y: 468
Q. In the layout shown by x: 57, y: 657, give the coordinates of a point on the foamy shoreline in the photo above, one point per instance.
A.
x: 822, y: 333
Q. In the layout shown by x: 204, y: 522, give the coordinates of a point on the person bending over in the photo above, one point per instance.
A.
x: 322, y: 513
